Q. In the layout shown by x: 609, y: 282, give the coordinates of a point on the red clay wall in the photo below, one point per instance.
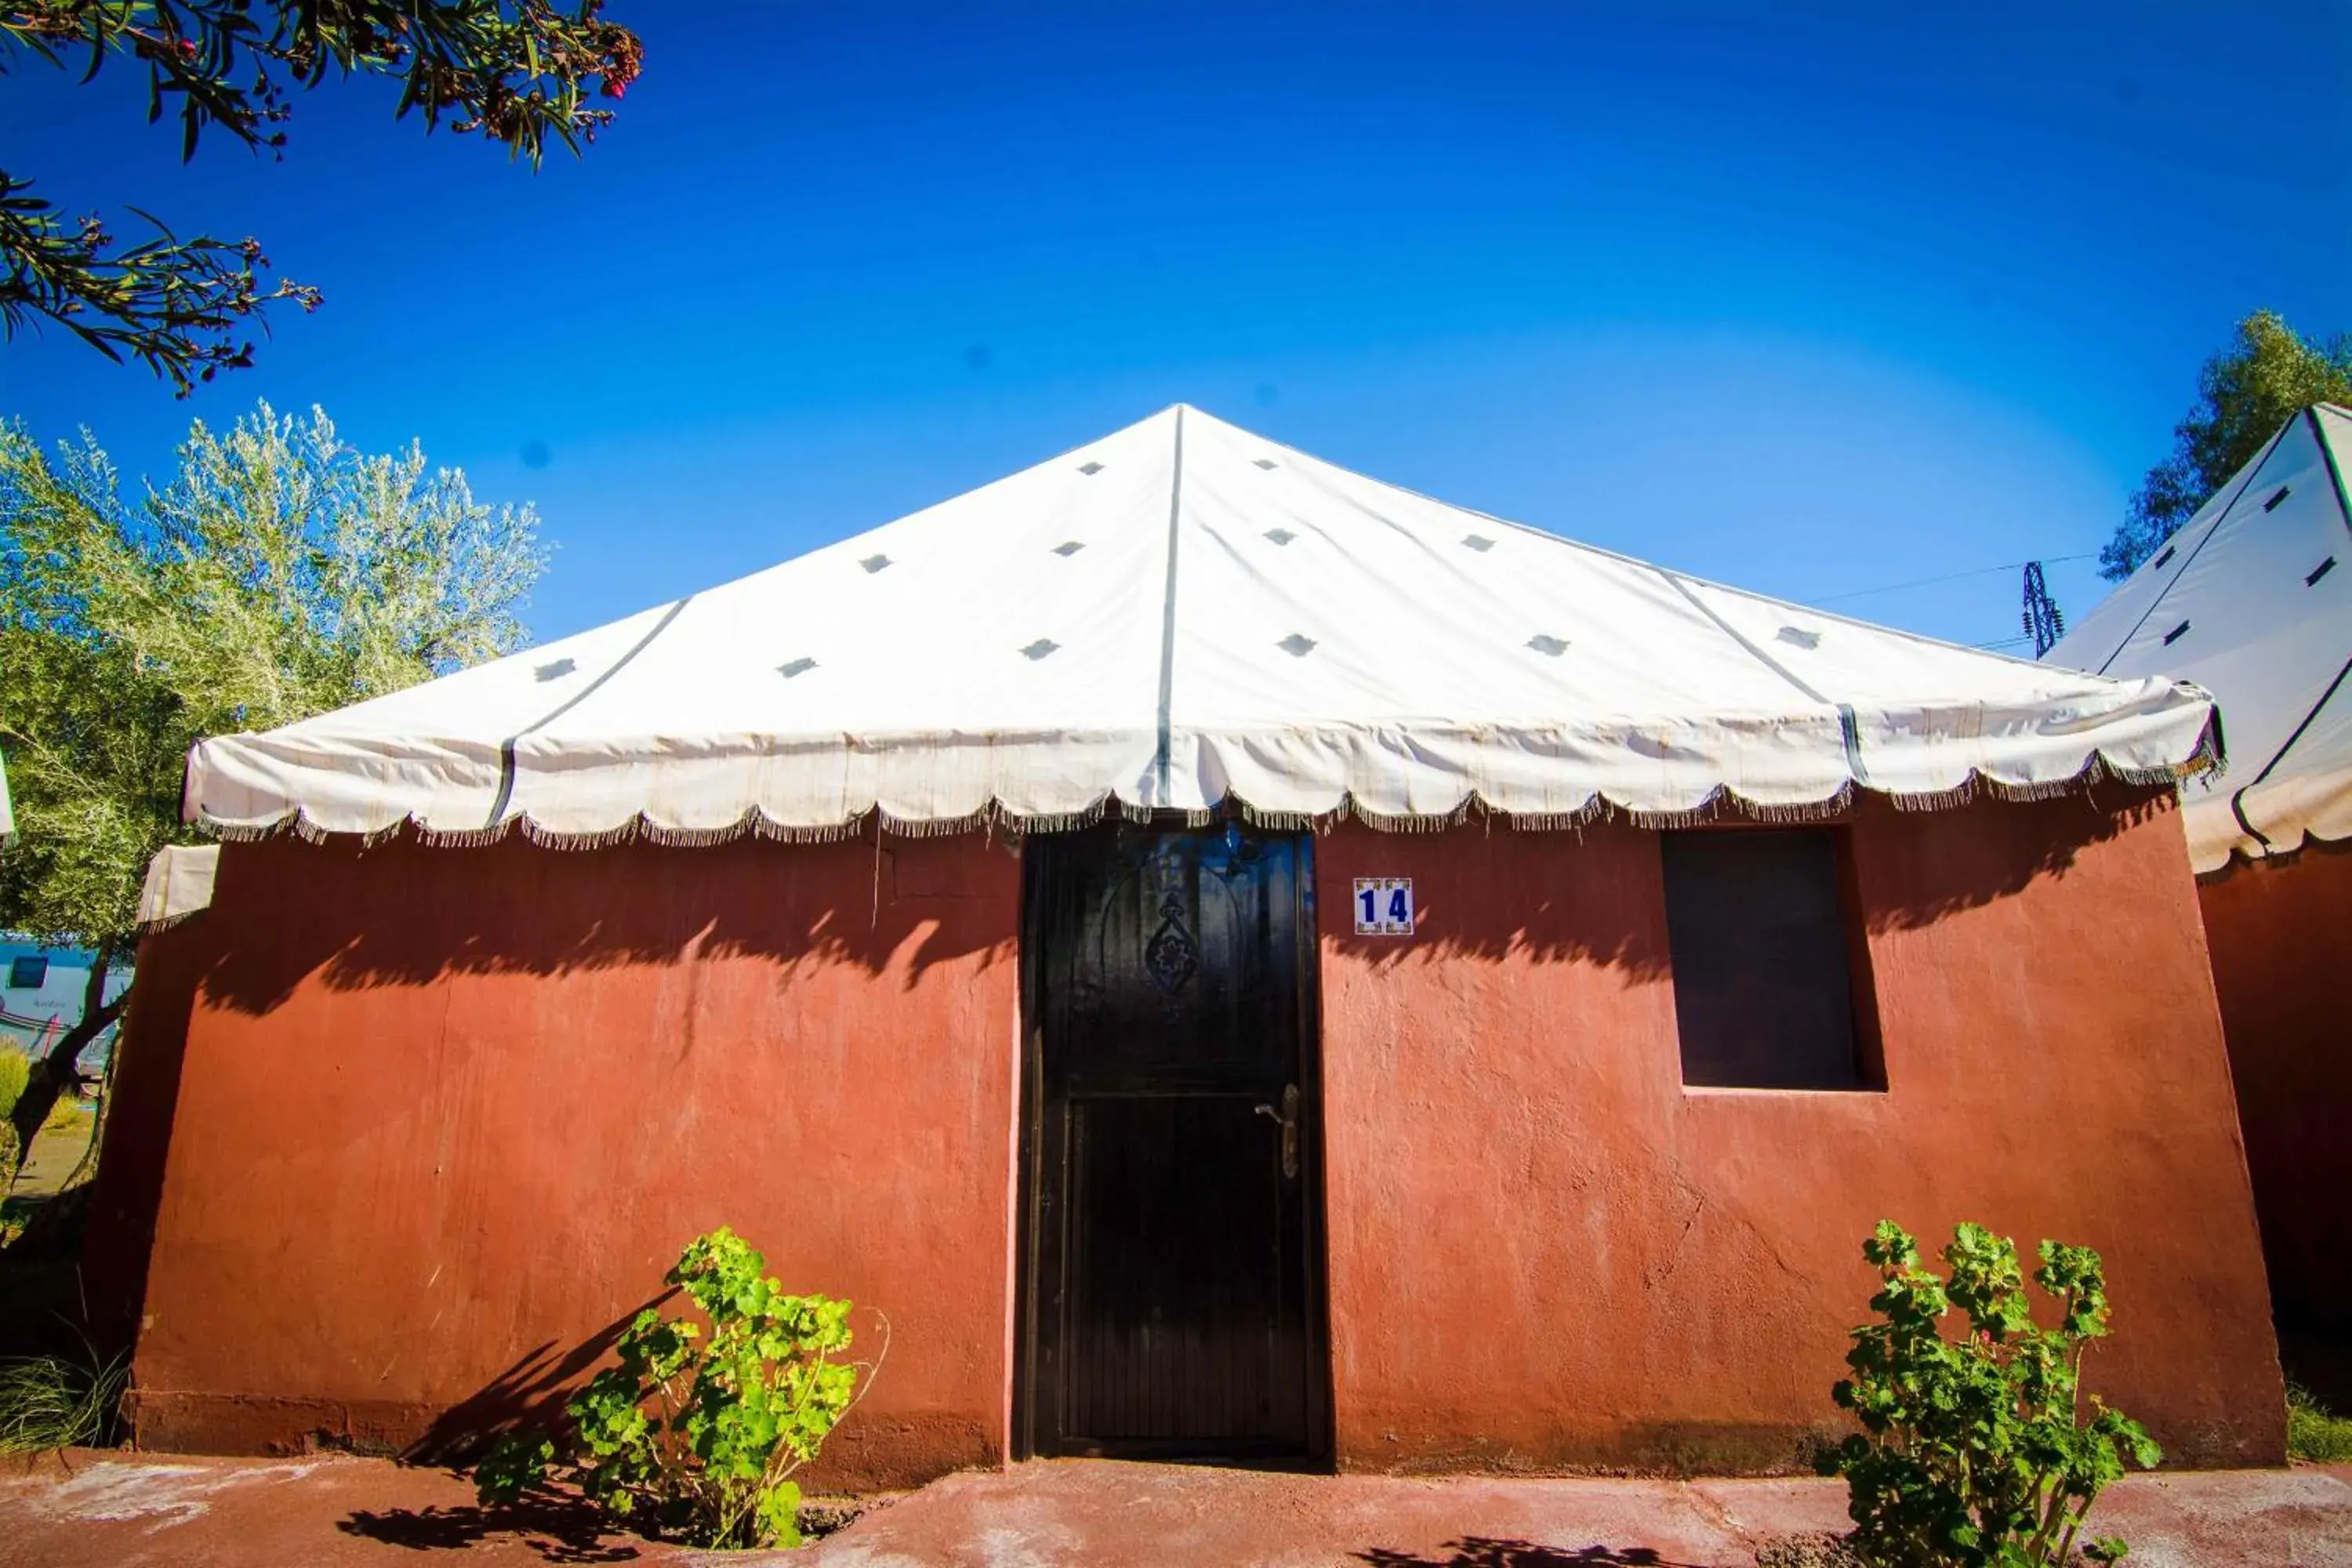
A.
x: 2282, y: 941
x: 438, y: 1118
x: 1544, y: 1250
x: 126, y: 1194
x: 445, y: 1116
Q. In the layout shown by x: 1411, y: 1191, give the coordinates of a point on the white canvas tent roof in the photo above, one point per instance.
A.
x: 1180, y: 614
x: 2253, y: 601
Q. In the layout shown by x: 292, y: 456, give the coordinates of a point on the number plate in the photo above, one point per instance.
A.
x: 1384, y: 906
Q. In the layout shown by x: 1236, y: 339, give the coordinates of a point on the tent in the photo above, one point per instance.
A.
x: 1193, y: 936
x: 1180, y: 614
x: 2253, y: 601
x: 7, y: 813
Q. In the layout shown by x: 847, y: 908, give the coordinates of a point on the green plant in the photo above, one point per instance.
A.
x: 1973, y: 1453
x: 55, y: 1402
x: 2314, y: 1432
x: 16, y: 1071
x: 700, y: 1434
x: 278, y: 573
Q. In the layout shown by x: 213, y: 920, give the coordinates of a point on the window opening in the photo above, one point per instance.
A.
x: 1771, y: 969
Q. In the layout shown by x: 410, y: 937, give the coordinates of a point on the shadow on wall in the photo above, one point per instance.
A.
x: 529, y: 1394
x: 1595, y: 895
x: 405, y: 914
x: 402, y: 913
x: 1917, y: 867
x: 1576, y: 895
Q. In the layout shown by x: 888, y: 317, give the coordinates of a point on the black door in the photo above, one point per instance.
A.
x: 1171, y: 1291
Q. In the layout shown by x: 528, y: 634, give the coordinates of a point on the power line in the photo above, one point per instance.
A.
x: 1951, y: 577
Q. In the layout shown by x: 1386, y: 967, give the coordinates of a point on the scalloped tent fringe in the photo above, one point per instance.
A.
x: 2278, y: 857
x: 1723, y: 804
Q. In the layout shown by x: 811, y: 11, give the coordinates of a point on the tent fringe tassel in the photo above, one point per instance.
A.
x: 1723, y: 802
x: 1951, y: 799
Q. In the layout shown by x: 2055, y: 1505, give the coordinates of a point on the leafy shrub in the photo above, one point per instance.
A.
x: 1973, y: 1453
x: 698, y: 1436
x: 2314, y: 1432
x: 15, y: 1072
x: 55, y: 1402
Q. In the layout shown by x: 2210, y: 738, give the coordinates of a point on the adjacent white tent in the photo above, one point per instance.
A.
x: 178, y: 885
x: 1176, y: 615
x: 8, y: 812
x: 2253, y: 601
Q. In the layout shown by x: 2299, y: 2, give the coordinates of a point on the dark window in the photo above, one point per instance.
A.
x: 25, y: 973
x: 1766, y: 960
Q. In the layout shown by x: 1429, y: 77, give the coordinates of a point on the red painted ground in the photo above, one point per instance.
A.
x: 138, y: 1510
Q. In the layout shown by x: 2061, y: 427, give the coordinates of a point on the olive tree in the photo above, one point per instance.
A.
x: 278, y: 573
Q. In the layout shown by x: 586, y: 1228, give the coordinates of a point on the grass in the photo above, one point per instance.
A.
x: 55, y: 1402
x: 2313, y: 1431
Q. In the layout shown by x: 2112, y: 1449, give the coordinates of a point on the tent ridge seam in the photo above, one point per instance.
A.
x: 1163, y: 762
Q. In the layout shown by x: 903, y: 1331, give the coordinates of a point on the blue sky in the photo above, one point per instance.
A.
x: 1811, y: 298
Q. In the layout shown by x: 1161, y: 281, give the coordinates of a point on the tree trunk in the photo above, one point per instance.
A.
x: 57, y: 1074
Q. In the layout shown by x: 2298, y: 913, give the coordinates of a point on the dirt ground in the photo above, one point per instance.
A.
x: 85, y: 1509
x: 56, y: 1151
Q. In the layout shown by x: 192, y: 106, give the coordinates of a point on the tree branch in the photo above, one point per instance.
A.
x: 515, y: 71
x: 173, y: 305
x: 54, y: 1074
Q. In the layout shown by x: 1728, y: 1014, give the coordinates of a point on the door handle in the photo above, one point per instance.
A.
x: 1288, y: 1120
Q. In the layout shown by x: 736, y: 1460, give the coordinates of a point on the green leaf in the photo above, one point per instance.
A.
x: 761, y: 1393
x: 780, y: 1516
x: 1967, y: 1441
